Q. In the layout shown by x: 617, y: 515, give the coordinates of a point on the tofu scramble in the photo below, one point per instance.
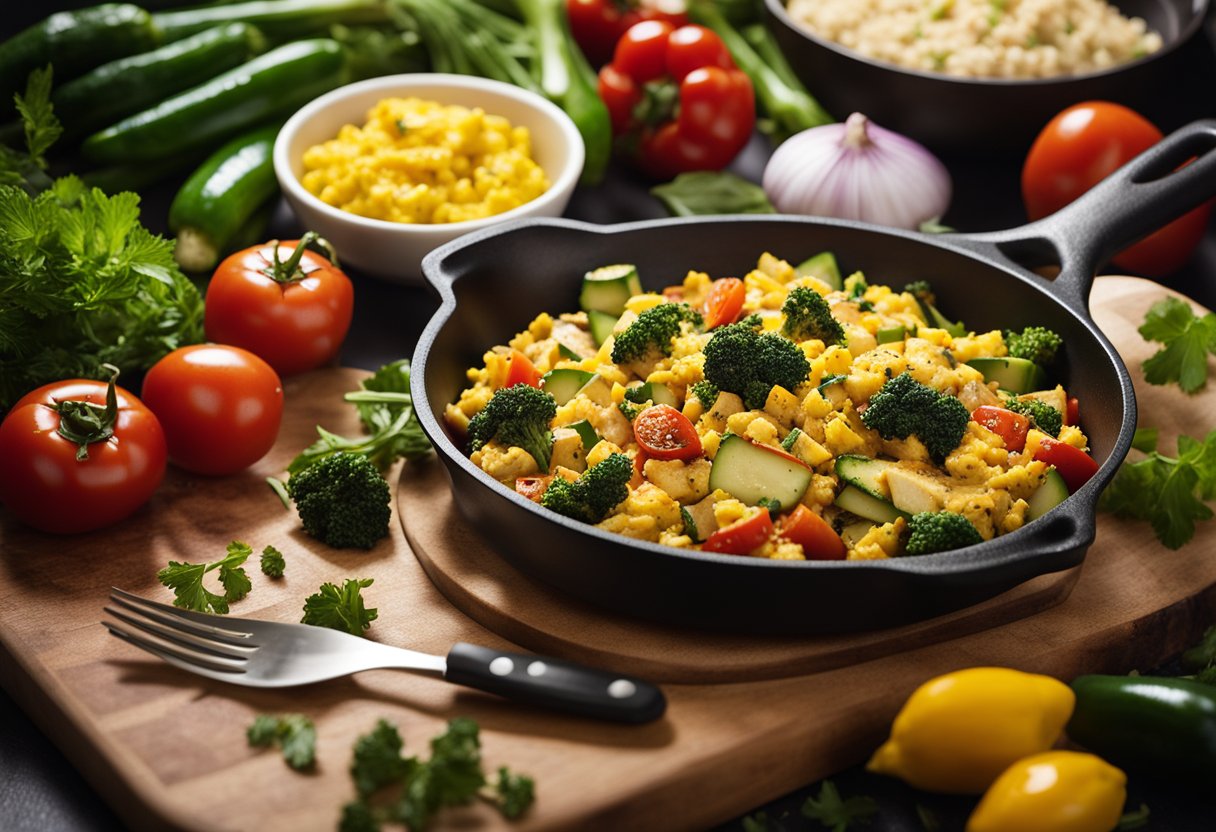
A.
x: 982, y: 38
x: 786, y: 472
x: 417, y: 161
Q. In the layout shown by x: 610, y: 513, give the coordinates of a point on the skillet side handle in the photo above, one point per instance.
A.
x: 1158, y: 186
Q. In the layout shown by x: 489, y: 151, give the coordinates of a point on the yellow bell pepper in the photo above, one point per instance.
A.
x: 958, y: 732
x: 1057, y: 791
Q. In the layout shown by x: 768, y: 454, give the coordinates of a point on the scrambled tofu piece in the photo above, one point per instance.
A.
x: 645, y: 514
x: 504, y: 463
x: 686, y: 482
x: 880, y: 542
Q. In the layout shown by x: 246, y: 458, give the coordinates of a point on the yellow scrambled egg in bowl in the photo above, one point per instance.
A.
x: 420, y: 161
x: 787, y: 414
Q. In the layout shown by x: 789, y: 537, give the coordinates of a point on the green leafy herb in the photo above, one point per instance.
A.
x: 40, y: 127
x: 272, y: 562
x: 340, y: 608
x: 712, y: 192
x: 1167, y: 491
x: 186, y: 581
x: 393, y: 788
x: 835, y: 813
x: 1203, y: 654
x: 294, y: 733
x: 1188, y: 340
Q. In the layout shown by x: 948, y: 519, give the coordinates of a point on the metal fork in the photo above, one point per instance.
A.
x: 269, y: 654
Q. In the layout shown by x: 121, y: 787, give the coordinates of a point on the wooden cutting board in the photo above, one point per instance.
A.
x: 167, y: 749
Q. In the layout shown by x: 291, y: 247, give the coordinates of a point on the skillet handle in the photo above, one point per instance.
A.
x: 1137, y: 199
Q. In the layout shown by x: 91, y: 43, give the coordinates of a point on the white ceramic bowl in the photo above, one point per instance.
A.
x: 392, y: 250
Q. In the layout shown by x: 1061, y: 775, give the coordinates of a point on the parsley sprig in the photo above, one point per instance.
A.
x: 1167, y: 491
x: 340, y: 608
x: 396, y: 789
x: 186, y: 581
x: 272, y: 562
x: 295, y: 734
x: 1187, y: 339
x: 835, y: 812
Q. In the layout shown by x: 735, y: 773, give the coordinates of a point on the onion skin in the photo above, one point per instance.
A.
x: 857, y: 170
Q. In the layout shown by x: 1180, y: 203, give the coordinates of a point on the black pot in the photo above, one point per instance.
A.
x: 985, y: 115
x: 493, y: 283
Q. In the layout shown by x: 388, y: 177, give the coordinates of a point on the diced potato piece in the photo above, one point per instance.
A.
x: 568, y: 450
x: 686, y: 482
x: 783, y: 406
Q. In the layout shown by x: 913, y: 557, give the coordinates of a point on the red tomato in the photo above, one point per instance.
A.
x: 665, y: 433
x: 220, y: 407
x: 293, y: 313
x: 532, y: 487
x: 1072, y: 412
x: 641, y: 53
x: 53, y: 485
x: 1073, y: 464
x: 724, y: 302
x: 597, y: 25
x: 1010, y: 426
x: 521, y: 370
x: 741, y: 536
x: 814, y: 534
x: 1083, y: 145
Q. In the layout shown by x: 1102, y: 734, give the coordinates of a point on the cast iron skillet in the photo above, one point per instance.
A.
x: 985, y: 114
x: 492, y: 283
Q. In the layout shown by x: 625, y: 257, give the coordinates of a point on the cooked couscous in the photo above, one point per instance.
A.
x: 787, y: 415
x: 982, y: 38
x: 417, y: 161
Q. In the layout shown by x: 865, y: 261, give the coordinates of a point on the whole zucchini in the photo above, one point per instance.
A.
x: 217, y: 201
x: 75, y: 42
x: 280, y: 19
x: 128, y: 85
x: 271, y: 85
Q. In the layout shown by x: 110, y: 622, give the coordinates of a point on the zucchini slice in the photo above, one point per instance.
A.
x: 651, y: 391
x: 601, y: 325
x: 1017, y: 375
x: 822, y: 266
x: 607, y: 288
x: 855, y: 501
x: 867, y: 474
x: 563, y: 384
x: 1047, y: 496
x: 751, y: 472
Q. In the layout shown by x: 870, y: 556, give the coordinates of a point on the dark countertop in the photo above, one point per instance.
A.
x: 40, y: 790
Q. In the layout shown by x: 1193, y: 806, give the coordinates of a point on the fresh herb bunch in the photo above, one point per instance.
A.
x: 294, y: 733
x: 1167, y: 491
x: 186, y: 581
x: 1187, y: 340
x: 396, y: 789
x: 272, y: 562
x: 82, y: 282
x: 340, y: 608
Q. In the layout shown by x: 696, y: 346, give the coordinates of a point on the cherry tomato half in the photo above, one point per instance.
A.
x: 724, y: 302
x: 665, y: 433
x: 220, y: 407
x: 1010, y: 426
x: 45, y: 482
x: 741, y: 536
x: 815, y: 535
x: 1073, y: 464
x: 284, y: 303
x: 1083, y: 145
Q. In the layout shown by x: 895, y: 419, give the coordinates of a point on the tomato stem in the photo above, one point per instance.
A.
x: 85, y: 423
x: 289, y: 271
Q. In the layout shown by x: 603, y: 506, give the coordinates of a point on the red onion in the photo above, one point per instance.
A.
x: 858, y: 171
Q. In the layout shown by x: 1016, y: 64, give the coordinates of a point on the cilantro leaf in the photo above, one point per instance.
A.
x: 272, y: 562
x: 835, y: 813
x: 340, y: 608
x: 1188, y: 340
x: 1167, y: 491
x: 295, y: 734
x: 186, y: 581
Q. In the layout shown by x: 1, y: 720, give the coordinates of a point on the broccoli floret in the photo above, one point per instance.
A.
x: 855, y: 285
x: 596, y: 492
x: 922, y: 291
x: 939, y: 532
x: 652, y: 332
x: 807, y: 315
x: 904, y: 406
x: 517, y: 416
x: 1034, y: 343
x: 705, y: 392
x: 740, y: 359
x: 342, y: 501
x: 927, y: 300
x: 1045, y: 417
x: 630, y: 410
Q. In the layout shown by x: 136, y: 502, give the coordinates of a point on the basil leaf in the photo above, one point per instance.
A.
x: 712, y: 192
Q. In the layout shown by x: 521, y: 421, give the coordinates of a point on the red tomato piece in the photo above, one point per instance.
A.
x: 50, y: 483
x: 815, y: 535
x: 1010, y: 426
x: 521, y: 370
x: 532, y: 487
x: 1083, y: 145
x: 286, y: 304
x: 724, y: 302
x: 665, y: 433
x: 220, y: 407
x: 1072, y: 412
x: 1073, y: 464
x: 741, y: 536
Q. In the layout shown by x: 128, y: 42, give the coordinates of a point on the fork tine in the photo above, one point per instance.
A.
x: 197, y: 623
x: 173, y: 632
x: 228, y: 670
